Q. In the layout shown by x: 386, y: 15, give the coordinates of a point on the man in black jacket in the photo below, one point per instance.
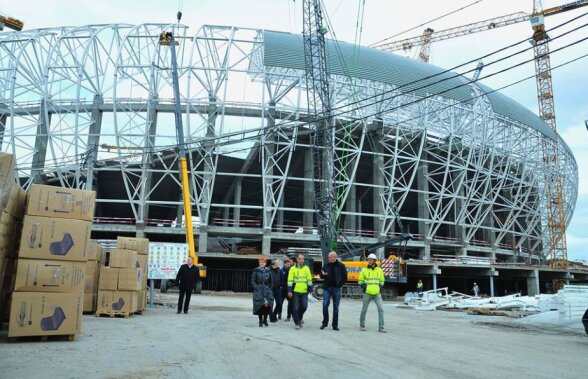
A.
x: 188, y: 275
x: 276, y: 275
x: 335, y: 276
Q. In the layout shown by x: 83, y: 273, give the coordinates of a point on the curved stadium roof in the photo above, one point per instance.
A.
x: 287, y: 50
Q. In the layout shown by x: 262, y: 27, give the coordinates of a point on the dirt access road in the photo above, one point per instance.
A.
x: 220, y: 338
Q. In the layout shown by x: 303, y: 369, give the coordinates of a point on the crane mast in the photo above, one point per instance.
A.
x: 321, y: 120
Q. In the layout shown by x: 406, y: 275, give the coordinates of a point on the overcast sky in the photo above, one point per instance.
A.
x: 382, y: 18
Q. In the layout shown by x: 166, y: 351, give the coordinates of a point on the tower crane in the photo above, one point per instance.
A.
x: 556, y: 225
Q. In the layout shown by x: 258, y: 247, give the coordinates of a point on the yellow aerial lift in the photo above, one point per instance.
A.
x: 167, y: 39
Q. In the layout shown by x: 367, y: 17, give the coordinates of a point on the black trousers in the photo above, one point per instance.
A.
x: 187, y: 294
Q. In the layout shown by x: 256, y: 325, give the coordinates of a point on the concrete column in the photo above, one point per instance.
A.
x: 422, y: 209
x: 359, y: 218
x: 280, y: 216
x: 533, y: 283
x: 268, y: 180
x: 148, y: 160
x: 180, y: 216
x: 93, y: 141
x: 237, y: 209
x: 202, y: 240
x: 435, y: 282
x: 460, y: 231
x: 491, y: 285
x: 41, y: 141
x: 308, y: 200
x: 378, y: 180
x: 266, y: 245
x: 351, y: 207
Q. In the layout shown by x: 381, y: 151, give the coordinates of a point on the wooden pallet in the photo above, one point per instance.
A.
x: 114, y: 314
x: 63, y: 337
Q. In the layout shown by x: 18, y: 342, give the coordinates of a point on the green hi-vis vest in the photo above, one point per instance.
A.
x: 373, y: 278
x: 299, y: 278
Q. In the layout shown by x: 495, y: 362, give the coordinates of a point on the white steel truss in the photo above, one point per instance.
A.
x: 82, y: 103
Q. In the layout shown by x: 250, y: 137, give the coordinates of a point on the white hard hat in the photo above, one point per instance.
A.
x: 372, y: 256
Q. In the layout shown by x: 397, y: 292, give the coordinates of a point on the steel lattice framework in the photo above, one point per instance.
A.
x: 78, y: 102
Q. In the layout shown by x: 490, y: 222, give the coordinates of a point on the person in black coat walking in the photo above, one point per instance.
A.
x: 187, y: 276
x: 335, y: 276
x: 277, y: 283
x: 263, y: 297
x: 285, y: 271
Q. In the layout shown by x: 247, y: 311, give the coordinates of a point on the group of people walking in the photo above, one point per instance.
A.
x: 293, y: 283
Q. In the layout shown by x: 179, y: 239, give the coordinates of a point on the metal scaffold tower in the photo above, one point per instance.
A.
x: 319, y: 105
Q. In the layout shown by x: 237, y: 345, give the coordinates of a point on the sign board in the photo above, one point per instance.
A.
x: 165, y: 258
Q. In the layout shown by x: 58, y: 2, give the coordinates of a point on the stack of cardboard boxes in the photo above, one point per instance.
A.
x: 121, y: 286
x: 49, y: 282
x: 94, y: 255
x: 12, y: 206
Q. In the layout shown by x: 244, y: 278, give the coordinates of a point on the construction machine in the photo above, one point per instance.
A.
x: 167, y: 39
x: 11, y: 23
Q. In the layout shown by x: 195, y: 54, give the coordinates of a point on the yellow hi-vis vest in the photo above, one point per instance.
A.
x: 373, y: 278
x: 299, y: 279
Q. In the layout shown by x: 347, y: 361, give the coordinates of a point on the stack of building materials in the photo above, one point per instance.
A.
x: 122, y: 283
x: 12, y: 208
x: 573, y: 301
x: 94, y: 255
x: 141, y: 246
x: 48, y: 295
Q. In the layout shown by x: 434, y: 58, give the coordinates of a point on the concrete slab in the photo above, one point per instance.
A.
x: 220, y: 338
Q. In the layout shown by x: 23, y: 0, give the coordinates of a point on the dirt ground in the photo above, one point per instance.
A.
x: 220, y: 338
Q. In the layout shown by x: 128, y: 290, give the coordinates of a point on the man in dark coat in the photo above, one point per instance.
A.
x: 285, y: 271
x: 188, y: 275
x: 335, y: 276
x: 276, y: 275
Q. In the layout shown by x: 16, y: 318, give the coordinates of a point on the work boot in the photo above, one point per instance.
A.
x: 287, y: 319
x: 323, y: 326
x: 179, y: 312
x: 382, y: 330
x: 362, y: 328
x: 335, y: 328
x: 297, y: 327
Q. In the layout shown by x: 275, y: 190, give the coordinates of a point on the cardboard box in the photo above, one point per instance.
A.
x: 17, y: 200
x: 50, y: 201
x: 117, y: 301
x: 130, y: 279
x: 10, y: 230
x: 108, y: 278
x: 54, y: 238
x: 33, y: 275
x: 90, y: 302
x: 94, y: 251
x: 142, y: 262
x: 44, y: 314
x: 92, y: 275
x: 140, y: 245
x: 7, y: 178
x: 122, y: 258
x: 142, y: 298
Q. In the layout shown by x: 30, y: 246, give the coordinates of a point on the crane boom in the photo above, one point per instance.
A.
x: 475, y: 27
x: 167, y: 39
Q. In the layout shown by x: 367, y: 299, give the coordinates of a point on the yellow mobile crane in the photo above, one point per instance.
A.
x: 167, y: 39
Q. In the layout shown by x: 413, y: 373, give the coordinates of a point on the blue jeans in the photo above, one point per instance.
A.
x: 299, y: 305
x: 328, y: 293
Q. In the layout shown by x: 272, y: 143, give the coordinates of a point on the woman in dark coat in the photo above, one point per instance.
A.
x: 263, y: 298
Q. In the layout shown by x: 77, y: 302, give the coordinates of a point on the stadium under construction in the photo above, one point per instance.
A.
x: 92, y: 107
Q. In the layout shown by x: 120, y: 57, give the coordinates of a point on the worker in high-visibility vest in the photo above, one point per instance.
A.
x: 371, y: 280
x: 419, y: 289
x: 299, y: 286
